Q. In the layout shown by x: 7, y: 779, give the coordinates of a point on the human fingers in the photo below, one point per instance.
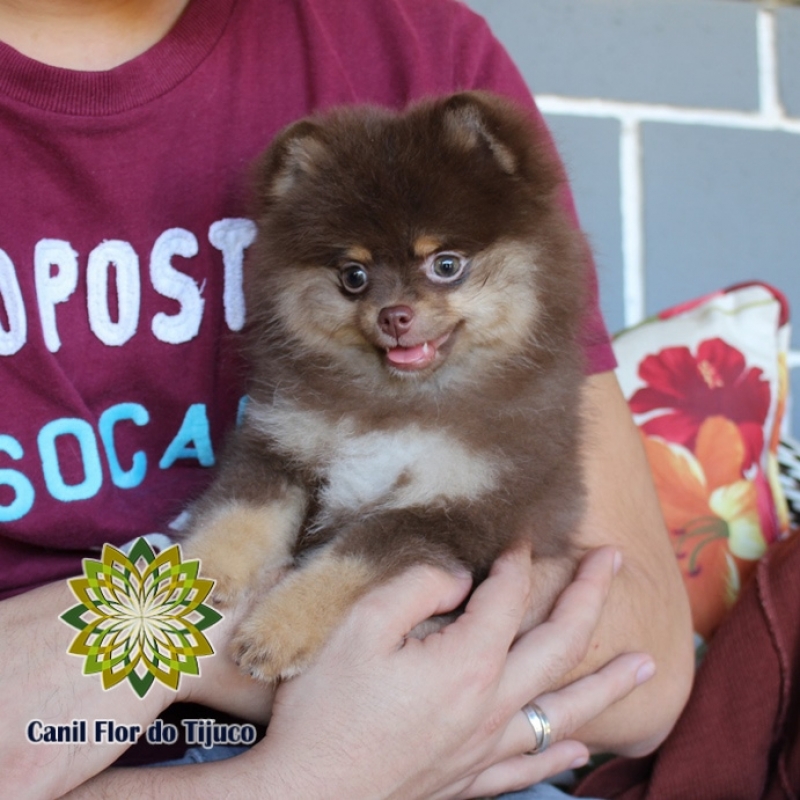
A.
x: 539, y: 661
x: 521, y: 771
x: 535, y: 748
x: 492, y: 617
x: 391, y: 610
x: 490, y: 621
x: 565, y: 711
x: 541, y: 658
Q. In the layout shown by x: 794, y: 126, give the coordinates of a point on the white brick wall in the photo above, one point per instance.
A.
x: 770, y: 116
x: 750, y: 97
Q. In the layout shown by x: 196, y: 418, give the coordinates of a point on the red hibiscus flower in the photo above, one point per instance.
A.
x: 688, y: 389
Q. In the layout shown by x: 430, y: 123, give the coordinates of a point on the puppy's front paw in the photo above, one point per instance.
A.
x: 226, y: 592
x: 230, y: 585
x: 289, y: 625
x: 271, y: 655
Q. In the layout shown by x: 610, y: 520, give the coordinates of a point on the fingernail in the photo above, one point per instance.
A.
x: 580, y: 761
x: 617, y: 561
x: 645, y: 672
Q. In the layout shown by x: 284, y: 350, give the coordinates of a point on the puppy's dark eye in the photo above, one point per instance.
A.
x: 445, y: 267
x: 354, y: 278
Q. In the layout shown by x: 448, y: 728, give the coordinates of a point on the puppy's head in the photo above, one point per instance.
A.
x: 405, y: 246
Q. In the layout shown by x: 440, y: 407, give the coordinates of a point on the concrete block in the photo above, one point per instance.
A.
x: 590, y: 150
x: 699, y: 53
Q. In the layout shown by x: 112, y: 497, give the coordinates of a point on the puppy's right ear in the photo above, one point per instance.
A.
x: 478, y: 121
x: 295, y: 152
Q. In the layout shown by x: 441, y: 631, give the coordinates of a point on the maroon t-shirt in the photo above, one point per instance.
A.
x: 123, y: 231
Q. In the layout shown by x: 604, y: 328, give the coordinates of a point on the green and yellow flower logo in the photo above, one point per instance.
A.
x: 141, y: 617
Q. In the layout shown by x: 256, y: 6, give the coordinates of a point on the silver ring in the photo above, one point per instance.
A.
x: 541, y: 727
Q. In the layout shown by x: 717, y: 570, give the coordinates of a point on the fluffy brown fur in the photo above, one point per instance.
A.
x: 414, y: 299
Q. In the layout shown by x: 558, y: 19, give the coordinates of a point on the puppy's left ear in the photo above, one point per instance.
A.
x: 295, y: 152
x: 474, y: 121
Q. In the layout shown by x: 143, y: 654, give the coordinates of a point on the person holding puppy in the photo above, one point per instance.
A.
x: 129, y: 129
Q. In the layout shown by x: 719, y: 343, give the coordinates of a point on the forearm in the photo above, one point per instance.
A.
x: 639, y: 618
x: 39, y: 680
x: 231, y: 778
x: 648, y: 609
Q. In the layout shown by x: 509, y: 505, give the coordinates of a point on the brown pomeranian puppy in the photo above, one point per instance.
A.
x: 414, y: 302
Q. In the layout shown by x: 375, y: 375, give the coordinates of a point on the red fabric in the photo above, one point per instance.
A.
x: 116, y: 397
x: 739, y: 736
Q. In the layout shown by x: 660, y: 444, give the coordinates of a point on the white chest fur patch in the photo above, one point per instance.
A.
x: 402, y: 468
x: 381, y: 469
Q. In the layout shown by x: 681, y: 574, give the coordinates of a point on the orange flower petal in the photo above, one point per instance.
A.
x: 721, y: 452
x: 679, y: 482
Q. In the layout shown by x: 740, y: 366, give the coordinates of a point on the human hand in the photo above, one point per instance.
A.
x: 380, y: 715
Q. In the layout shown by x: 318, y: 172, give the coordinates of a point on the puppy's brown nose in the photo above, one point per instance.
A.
x: 395, y: 320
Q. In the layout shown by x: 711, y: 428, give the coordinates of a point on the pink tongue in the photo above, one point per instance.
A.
x: 411, y: 355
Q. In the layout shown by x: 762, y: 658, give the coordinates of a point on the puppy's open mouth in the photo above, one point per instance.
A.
x: 410, y: 358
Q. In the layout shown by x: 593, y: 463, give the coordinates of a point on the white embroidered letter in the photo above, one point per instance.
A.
x: 52, y: 289
x: 123, y: 258
x: 11, y: 340
x: 169, y: 282
x: 233, y: 237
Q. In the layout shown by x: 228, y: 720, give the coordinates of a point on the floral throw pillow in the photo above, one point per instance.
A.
x: 707, y: 385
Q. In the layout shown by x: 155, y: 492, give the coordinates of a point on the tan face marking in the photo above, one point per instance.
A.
x: 359, y: 254
x: 426, y: 246
x: 502, y: 311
